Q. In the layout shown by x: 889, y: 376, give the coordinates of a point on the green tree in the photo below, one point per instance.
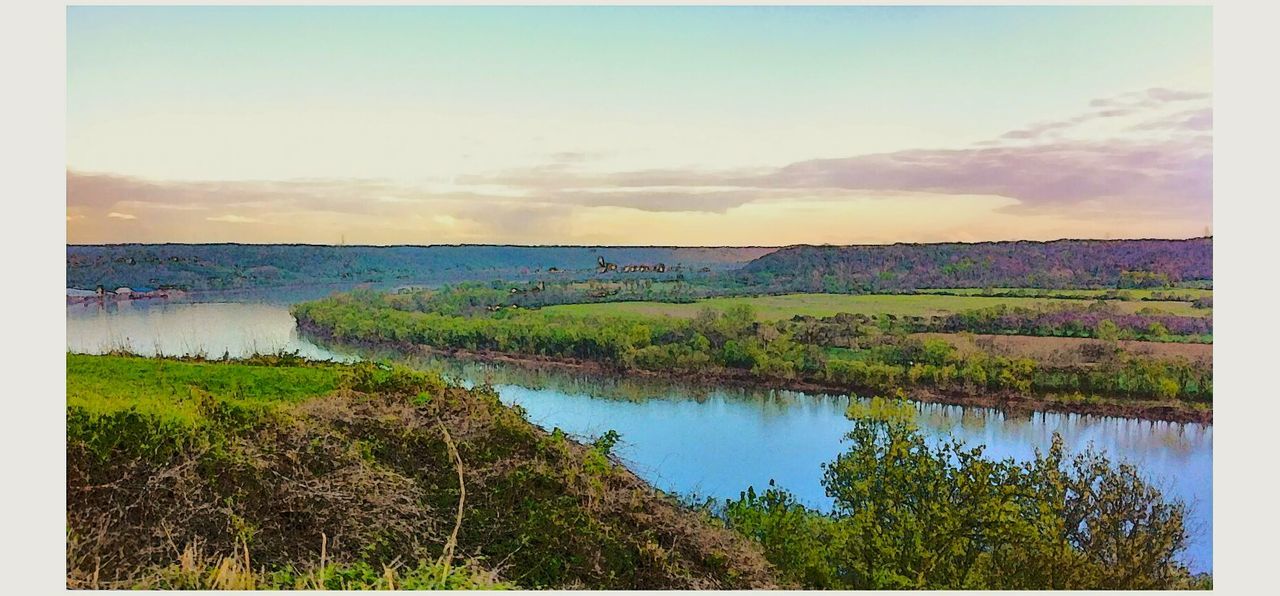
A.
x: 912, y: 513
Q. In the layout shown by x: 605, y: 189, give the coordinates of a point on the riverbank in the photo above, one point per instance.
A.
x: 1008, y: 401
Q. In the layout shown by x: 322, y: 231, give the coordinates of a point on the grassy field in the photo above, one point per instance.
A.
x: 171, y: 390
x: 771, y: 308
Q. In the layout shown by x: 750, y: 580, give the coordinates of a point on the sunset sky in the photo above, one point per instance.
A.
x: 684, y: 126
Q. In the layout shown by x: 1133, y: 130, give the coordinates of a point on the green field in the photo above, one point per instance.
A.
x: 168, y: 389
x: 771, y: 308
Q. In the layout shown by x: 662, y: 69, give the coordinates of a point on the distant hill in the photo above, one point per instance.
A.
x: 1056, y: 264
x: 238, y: 266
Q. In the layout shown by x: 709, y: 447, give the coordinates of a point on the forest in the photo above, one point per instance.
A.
x: 237, y: 266
x: 1023, y: 264
x: 1115, y: 264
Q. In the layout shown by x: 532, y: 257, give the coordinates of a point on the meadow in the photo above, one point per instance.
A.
x: 775, y: 308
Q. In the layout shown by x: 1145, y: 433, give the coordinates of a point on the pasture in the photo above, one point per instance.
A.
x: 772, y: 308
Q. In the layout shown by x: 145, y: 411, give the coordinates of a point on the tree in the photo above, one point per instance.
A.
x: 1108, y: 331
x: 920, y: 514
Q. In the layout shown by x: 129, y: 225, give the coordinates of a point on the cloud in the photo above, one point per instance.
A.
x: 1148, y: 98
x: 232, y: 218
x: 1142, y: 152
x: 1169, y: 175
x: 1144, y: 106
x: 1146, y: 156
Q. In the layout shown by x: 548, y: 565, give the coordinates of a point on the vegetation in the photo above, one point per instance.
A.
x: 1161, y: 295
x: 772, y: 308
x: 235, y: 266
x: 911, y: 515
x: 277, y: 473
x: 1057, y: 264
x: 879, y: 354
x: 373, y: 477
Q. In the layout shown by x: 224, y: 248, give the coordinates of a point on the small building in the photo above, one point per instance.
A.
x: 123, y: 291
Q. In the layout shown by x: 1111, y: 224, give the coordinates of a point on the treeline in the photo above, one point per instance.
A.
x: 238, y: 266
x: 883, y: 359
x: 910, y: 514
x: 1058, y: 264
x: 474, y: 298
x: 1098, y: 320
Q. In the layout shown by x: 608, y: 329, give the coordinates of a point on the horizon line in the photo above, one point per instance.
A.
x: 669, y: 246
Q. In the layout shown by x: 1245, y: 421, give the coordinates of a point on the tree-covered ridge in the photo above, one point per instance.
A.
x: 235, y: 266
x: 1023, y: 264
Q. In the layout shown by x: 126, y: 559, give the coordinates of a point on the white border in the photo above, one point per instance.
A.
x: 33, y: 48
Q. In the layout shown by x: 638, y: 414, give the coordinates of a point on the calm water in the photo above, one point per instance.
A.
x: 706, y: 440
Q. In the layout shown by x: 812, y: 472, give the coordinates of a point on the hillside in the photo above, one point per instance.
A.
x: 280, y: 473
x: 1022, y: 264
x: 236, y: 266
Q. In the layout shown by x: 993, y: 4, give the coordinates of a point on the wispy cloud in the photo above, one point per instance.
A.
x: 1105, y: 154
x: 232, y: 218
x: 116, y: 215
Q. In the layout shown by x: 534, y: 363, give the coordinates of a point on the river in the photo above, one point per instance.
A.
x: 708, y: 441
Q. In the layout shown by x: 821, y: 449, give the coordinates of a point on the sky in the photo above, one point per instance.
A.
x: 637, y: 126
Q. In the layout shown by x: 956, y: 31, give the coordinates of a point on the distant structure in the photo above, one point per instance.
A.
x: 657, y: 268
x: 605, y: 266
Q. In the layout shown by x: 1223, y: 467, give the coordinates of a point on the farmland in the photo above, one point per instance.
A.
x: 773, y: 308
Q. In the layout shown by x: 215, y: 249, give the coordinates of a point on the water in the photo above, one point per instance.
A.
x: 152, y: 327
x: 712, y: 441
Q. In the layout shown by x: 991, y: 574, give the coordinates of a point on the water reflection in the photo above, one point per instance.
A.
x: 180, y: 328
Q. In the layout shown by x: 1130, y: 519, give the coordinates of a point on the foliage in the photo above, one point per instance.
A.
x: 237, y: 266
x: 914, y: 515
x: 334, y: 489
x: 1057, y: 264
x: 1075, y: 322
x: 714, y: 340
